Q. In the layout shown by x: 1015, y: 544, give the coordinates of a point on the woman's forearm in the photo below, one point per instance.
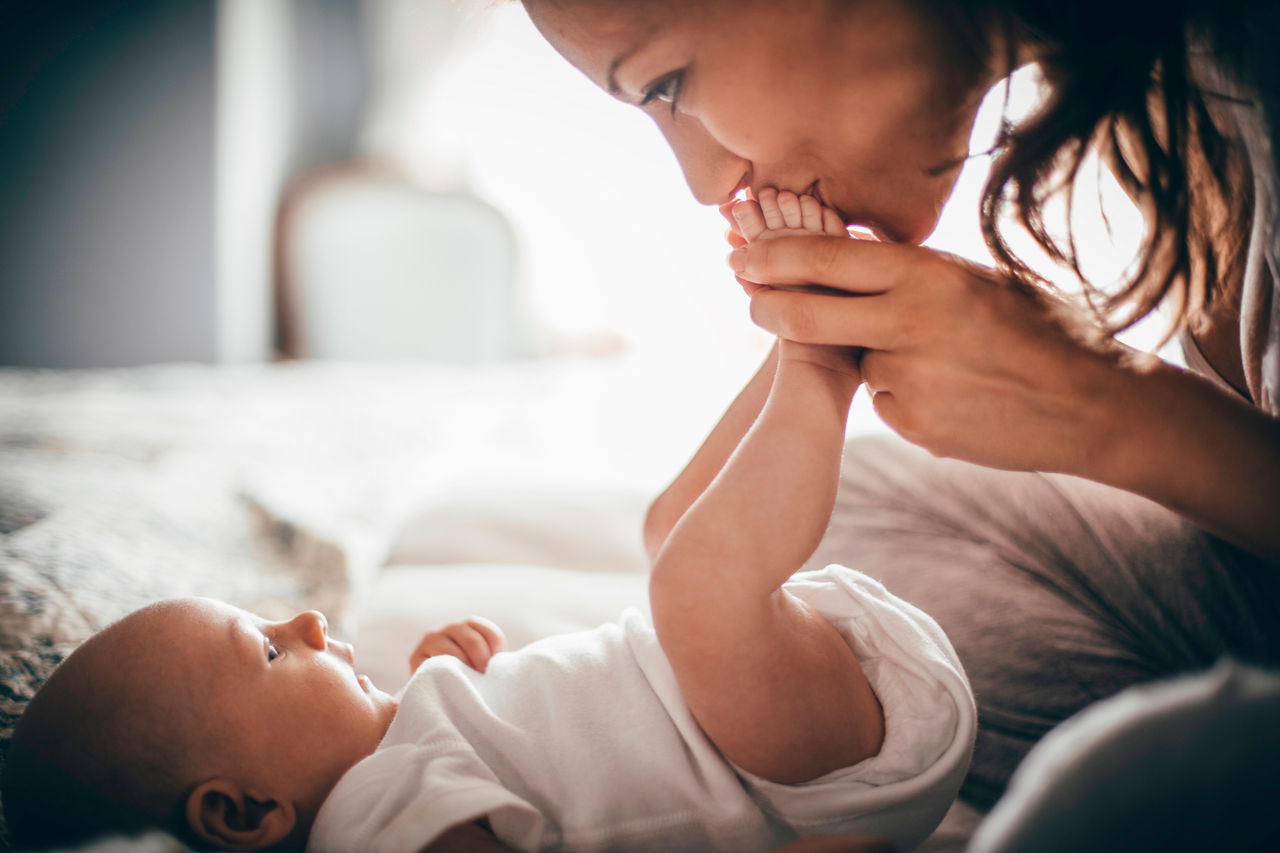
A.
x: 669, y: 506
x: 1183, y: 442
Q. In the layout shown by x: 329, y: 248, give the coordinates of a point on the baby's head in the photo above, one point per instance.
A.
x: 196, y: 717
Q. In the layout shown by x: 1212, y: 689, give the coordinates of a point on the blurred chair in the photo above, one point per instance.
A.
x: 370, y: 267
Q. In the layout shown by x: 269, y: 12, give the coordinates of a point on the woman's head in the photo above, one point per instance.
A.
x: 869, y: 104
x: 871, y: 101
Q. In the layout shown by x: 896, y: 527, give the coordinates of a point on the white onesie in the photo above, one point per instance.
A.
x: 582, y: 742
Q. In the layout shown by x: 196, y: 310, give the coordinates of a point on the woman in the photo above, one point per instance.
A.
x: 1145, y: 542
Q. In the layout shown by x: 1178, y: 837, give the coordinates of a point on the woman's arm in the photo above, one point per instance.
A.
x: 769, y: 680
x: 1198, y: 450
x: 669, y: 506
x: 969, y: 367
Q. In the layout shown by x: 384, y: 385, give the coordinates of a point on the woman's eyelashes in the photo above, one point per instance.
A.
x: 666, y: 89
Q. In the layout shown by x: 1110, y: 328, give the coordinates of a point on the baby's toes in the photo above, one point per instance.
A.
x: 751, y: 222
x: 811, y: 214
x: 768, y: 201
x: 832, y: 224
x: 789, y: 206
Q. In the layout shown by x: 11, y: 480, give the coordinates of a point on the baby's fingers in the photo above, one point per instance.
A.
x: 492, y: 634
x: 432, y: 645
x: 474, y: 641
x: 476, y: 652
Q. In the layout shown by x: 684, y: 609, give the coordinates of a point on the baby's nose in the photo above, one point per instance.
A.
x: 313, y: 627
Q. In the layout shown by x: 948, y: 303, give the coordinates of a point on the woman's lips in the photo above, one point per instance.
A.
x: 816, y: 191
x: 861, y: 227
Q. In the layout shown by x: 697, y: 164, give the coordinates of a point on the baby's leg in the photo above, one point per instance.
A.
x: 771, y: 682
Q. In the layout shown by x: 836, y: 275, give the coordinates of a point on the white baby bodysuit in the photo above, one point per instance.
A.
x: 582, y: 742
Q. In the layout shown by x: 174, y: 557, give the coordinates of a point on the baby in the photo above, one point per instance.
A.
x: 757, y: 708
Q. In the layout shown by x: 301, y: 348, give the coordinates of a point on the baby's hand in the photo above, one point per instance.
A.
x: 473, y: 641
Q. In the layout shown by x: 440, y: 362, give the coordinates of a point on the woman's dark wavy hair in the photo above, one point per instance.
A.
x: 1122, y: 84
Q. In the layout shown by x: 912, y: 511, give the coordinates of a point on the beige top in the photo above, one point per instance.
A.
x: 1254, y: 81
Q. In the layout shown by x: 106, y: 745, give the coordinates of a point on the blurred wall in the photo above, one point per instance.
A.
x: 292, y: 87
x: 122, y: 240
x: 106, y: 192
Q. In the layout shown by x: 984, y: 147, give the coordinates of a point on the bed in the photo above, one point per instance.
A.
x: 389, y: 495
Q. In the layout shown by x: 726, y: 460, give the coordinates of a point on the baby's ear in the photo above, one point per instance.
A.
x: 219, y: 812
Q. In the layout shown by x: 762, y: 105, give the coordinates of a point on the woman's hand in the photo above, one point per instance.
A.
x: 958, y: 361
x: 972, y: 367
x: 473, y: 641
x: 733, y: 234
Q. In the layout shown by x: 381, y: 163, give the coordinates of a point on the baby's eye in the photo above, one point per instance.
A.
x: 665, y: 89
x: 272, y: 651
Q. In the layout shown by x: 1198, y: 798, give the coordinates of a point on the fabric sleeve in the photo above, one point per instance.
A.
x: 903, y: 791
x: 403, y: 797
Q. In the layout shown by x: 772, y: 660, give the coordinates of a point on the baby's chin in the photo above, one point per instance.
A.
x: 385, y: 702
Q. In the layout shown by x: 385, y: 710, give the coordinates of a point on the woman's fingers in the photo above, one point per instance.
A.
x: 856, y: 266
x: 823, y: 318
x: 870, y: 364
x: 880, y: 380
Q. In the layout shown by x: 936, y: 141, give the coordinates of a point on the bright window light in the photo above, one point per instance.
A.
x: 613, y: 245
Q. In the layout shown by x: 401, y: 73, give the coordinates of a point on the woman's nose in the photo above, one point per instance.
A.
x: 313, y: 628
x: 712, y: 171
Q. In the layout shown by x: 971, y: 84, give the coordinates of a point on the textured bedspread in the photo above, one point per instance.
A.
x: 277, y: 487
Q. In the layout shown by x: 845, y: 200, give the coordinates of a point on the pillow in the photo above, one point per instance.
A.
x: 594, y: 529
x: 1188, y: 764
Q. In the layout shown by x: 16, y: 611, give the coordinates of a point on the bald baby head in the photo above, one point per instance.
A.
x: 112, y: 741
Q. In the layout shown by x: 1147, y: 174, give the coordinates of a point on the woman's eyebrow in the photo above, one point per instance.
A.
x: 611, y: 78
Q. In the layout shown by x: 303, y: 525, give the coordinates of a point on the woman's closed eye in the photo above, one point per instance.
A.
x: 666, y: 89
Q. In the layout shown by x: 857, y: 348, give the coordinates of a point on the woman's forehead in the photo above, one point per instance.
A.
x: 594, y: 34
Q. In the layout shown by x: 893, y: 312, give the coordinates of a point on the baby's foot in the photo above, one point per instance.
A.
x: 783, y: 214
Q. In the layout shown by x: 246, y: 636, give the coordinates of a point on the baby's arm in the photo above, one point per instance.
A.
x: 771, y: 682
